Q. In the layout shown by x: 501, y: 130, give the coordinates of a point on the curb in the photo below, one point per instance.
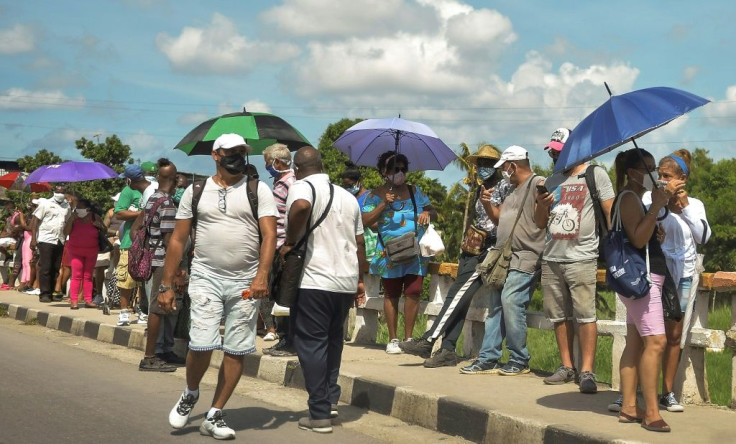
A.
x: 445, y: 414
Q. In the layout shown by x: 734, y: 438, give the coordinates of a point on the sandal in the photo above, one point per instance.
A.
x: 657, y: 426
x: 625, y: 418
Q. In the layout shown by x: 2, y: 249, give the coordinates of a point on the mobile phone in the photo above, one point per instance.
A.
x: 541, y: 189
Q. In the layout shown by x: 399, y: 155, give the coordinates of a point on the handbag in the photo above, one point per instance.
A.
x: 495, y: 267
x: 405, y: 248
x: 627, y: 270
x: 431, y: 243
x: 474, y: 241
x: 103, y: 243
x: 286, y: 274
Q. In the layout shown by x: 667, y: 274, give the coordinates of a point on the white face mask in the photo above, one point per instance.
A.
x: 398, y: 179
x: 647, y: 182
x: 81, y: 212
x: 59, y: 197
x: 507, y: 175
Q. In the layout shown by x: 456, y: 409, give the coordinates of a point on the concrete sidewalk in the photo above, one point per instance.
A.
x: 480, y: 408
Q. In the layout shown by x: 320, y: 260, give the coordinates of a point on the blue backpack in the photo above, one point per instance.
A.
x: 627, y: 270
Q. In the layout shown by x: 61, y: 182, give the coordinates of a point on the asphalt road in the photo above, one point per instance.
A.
x: 60, y: 388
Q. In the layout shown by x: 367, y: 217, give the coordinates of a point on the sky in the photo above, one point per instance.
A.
x: 506, y: 73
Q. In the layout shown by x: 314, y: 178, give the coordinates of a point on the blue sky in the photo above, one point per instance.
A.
x: 474, y: 71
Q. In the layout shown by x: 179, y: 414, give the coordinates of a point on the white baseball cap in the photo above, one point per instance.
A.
x: 514, y: 152
x: 558, y: 139
x: 230, y: 140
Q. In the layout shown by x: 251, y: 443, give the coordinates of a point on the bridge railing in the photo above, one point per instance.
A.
x: 691, y: 384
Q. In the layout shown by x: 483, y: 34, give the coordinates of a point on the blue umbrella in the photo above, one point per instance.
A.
x: 71, y: 171
x: 622, y: 119
x: 365, y: 141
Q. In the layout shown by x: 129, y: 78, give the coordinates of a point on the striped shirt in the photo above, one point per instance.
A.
x: 280, y: 191
x: 164, y: 220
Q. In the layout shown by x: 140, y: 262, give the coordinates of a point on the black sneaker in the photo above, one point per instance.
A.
x: 669, y: 402
x: 155, y: 364
x: 45, y: 298
x: 481, y: 368
x: 281, y: 349
x: 421, y: 348
x: 172, y: 358
x: 57, y: 296
x: 513, y: 369
x: 561, y: 376
x: 587, y: 383
x: 443, y: 358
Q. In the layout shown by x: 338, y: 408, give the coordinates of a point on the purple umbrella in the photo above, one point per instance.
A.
x: 71, y: 171
x: 365, y: 141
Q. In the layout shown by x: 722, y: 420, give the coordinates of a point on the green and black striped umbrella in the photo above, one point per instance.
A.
x: 258, y: 129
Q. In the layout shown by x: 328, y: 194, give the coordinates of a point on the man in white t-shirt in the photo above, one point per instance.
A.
x: 229, y: 274
x: 330, y: 283
x: 49, y: 219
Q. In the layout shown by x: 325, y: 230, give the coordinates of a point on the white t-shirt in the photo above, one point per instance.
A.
x: 147, y: 193
x: 331, y: 263
x: 53, y: 217
x: 227, y: 243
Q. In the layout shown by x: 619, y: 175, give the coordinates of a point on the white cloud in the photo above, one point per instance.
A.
x: 689, y: 73
x: 257, y: 106
x: 357, y: 18
x: 16, y: 40
x: 25, y: 100
x: 720, y: 113
x: 220, y: 49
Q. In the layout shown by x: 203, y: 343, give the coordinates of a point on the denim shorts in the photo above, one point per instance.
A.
x: 214, y: 299
x: 569, y: 291
x: 683, y: 291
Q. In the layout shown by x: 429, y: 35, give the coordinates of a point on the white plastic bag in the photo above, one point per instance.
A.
x: 431, y: 243
x: 278, y: 310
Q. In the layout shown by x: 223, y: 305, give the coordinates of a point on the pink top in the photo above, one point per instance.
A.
x: 83, y: 236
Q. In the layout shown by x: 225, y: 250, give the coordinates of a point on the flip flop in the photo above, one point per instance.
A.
x: 625, y: 418
x: 657, y: 426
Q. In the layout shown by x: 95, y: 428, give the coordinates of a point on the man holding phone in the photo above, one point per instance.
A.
x: 569, y: 261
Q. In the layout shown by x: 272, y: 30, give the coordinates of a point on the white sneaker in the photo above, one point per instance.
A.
x: 179, y: 415
x: 270, y: 336
x: 392, y: 347
x: 123, y: 318
x: 34, y: 291
x: 142, y: 319
x: 216, y: 427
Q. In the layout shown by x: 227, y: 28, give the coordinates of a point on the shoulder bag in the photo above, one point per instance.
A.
x: 627, y: 271
x: 495, y: 267
x: 286, y: 274
x: 405, y: 248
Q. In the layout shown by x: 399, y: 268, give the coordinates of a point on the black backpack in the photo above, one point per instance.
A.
x: 600, y: 218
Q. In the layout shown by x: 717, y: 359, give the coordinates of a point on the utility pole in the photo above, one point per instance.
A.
x: 97, y: 136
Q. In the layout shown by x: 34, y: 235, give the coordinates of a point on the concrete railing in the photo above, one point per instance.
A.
x: 691, y: 384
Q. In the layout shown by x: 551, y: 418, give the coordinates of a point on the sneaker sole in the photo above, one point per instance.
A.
x: 204, y: 432
x: 159, y: 370
x: 482, y: 372
x: 317, y: 429
x: 674, y: 409
x: 394, y: 352
x: 557, y: 382
x: 522, y: 372
x: 589, y: 391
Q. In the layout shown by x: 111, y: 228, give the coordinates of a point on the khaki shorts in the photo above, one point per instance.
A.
x: 568, y: 291
x: 125, y: 281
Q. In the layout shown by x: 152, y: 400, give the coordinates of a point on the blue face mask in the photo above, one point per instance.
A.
x: 272, y: 171
x: 485, y: 172
x: 353, y: 190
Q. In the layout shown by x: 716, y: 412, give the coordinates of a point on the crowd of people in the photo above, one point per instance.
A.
x: 553, y: 226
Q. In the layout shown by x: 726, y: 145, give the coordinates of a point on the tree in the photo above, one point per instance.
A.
x: 43, y: 157
x: 113, y: 153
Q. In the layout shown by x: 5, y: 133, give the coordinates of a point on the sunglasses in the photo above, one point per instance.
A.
x: 222, y: 203
x: 399, y: 169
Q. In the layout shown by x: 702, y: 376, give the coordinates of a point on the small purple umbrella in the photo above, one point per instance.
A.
x: 71, y: 171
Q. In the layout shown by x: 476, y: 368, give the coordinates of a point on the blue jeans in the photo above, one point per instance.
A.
x: 507, y: 318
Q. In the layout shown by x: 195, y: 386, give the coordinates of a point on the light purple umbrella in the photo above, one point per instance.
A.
x: 365, y: 141
x: 71, y: 171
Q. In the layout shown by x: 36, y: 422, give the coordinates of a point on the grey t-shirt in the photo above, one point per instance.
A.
x: 571, y: 229
x: 528, y: 240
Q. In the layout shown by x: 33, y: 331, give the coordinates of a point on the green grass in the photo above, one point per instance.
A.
x: 32, y: 321
x: 543, y: 347
x: 3, y: 312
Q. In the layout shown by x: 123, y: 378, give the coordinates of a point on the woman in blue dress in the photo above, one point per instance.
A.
x: 397, y: 208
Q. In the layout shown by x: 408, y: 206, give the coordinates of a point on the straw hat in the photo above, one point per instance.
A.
x: 486, y: 152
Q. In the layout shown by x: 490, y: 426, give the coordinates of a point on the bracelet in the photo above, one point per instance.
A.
x: 164, y: 288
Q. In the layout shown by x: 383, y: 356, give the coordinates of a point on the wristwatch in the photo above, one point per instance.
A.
x: 164, y: 288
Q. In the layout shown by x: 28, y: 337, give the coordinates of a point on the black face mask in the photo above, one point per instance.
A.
x: 233, y: 163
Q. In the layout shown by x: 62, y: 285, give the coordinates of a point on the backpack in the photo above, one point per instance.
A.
x: 600, y: 218
x: 198, y: 188
x: 140, y: 254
